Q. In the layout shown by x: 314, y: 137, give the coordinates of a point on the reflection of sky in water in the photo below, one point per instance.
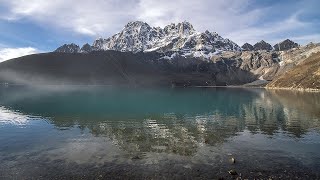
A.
x: 11, y: 117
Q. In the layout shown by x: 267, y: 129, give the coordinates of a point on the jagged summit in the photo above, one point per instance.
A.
x: 262, y: 45
x: 247, y: 47
x: 86, y: 48
x: 68, y: 48
x: 135, y: 36
x: 182, y: 38
x: 135, y: 24
x: 285, y: 45
x: 183, y: 29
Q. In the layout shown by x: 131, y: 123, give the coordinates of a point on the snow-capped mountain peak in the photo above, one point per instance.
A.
x: 182, y: 29
x: 139, y: 36
x: 135, y: 36
x: 180, y: 38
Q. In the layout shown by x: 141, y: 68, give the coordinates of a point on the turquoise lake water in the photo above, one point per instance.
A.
x: 63, y: 132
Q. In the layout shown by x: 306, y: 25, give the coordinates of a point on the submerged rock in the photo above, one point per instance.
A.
x: 136, y: 157
x: 232, y: 172
x: 233, y: 160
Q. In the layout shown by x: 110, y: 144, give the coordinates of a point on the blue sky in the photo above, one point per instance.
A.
x: 31, y: 26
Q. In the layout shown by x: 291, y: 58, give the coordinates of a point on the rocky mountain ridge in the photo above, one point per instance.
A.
x: 180, y: 38
x: 138, y: 36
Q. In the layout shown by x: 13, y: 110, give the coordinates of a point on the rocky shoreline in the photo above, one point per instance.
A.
x: 294, y: 89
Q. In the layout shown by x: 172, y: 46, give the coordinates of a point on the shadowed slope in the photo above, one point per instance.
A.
x: 119, y: 68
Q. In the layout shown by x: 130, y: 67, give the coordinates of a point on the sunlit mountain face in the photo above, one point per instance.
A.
x: 143, y: 132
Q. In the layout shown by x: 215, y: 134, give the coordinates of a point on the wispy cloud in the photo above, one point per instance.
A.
x: 269, y: 31
x: 221, y: 15
x: 10, y: 53
x: 92, y: 17
x: 100, y: 17
x: 307, y: 38
x: 239, y: 20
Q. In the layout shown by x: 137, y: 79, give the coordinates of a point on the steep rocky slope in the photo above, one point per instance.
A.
x: 264, y: 65
x: 267, y: 65
x: 295, y: 56
x: 305, y: 75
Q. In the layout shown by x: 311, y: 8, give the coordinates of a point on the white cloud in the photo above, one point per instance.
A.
x: 9, y: 53
x: 220, y: 16
x: 268, y: 31
x: 106, y: 17
x: 237, y: 20
x: 94, y: 17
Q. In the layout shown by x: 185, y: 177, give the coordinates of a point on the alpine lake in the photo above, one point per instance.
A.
x: 101, y: 132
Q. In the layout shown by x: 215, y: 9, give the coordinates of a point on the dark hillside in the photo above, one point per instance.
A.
x: 123, y: 68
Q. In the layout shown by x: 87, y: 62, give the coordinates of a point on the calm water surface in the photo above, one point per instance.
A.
x: 122, y: 133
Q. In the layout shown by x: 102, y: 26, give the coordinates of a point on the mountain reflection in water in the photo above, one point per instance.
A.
x: 197, y: 126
